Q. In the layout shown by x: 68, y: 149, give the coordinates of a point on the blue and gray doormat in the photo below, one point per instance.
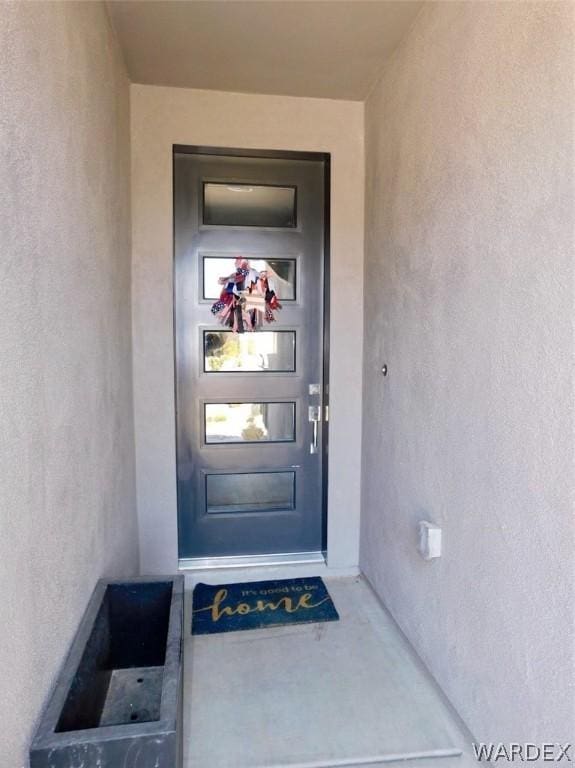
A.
x: 260, y: 604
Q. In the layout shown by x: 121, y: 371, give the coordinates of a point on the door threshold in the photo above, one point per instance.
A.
x: 248, y: 561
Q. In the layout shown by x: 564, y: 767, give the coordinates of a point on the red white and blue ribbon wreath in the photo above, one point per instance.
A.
x: 247, y: 299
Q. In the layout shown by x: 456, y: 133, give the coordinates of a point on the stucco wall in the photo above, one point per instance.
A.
x: 67, y: 490
x: 469, y: 300
x: 162, y: 117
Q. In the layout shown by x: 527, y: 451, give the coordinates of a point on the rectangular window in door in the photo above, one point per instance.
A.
x: 249, y: 205
x: 261, y: 351
x: 282, y: 275
x: 249, y: 423
x: 250, y: 492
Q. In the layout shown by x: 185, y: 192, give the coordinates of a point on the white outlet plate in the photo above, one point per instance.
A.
x: 429, y: 540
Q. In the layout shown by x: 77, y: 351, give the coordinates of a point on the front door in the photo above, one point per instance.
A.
x: 250, y: 251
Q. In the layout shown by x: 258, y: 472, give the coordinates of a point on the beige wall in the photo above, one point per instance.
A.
x: 67, y: 491
x: 162, y: 117
x: 469, y: 299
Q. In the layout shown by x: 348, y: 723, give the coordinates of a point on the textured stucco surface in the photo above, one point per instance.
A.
x: 318, y: 49
x: 162, y: 117
x: 67, y: 490
x: 469, y: 300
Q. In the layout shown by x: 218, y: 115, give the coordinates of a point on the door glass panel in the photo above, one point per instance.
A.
x: 250, y: 492
x: 281, y: 275
x: 269, y: 351
x: 249, y: 422
x: 249, y: 205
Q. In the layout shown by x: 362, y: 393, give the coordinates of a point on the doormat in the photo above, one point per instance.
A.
x: 260, y: 604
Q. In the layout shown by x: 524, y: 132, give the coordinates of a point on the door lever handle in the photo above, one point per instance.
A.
x: 313, y: 446
x: 314, y: 415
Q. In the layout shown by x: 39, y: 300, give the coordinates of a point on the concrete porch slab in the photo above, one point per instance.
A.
x: 348, y: 693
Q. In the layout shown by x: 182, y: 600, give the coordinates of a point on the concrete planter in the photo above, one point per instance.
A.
x: 118, y: 699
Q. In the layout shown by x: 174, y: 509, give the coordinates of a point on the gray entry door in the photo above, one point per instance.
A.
x: 250, y: 461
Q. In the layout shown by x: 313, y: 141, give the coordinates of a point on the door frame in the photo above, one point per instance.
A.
x: 205, y: 563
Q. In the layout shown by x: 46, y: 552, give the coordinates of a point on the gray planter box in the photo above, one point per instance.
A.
x: 118, y: 699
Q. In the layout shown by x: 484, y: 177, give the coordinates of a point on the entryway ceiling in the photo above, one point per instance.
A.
x: 330, y: 48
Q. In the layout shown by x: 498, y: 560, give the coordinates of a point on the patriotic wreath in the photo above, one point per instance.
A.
x: 247, y: 299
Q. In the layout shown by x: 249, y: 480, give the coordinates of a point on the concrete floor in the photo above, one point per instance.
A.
x: 347, y: 693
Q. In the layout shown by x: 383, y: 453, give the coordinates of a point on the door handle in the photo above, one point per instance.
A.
x: 314, y: 415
